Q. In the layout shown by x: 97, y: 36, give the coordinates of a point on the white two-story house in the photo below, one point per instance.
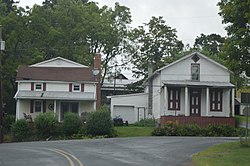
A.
x: 58, y: 85
x: 193, y: 88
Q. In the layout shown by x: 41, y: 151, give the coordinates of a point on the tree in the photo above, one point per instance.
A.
x: 153, y: 43
x: 236, y: 50
x: 211, y: 43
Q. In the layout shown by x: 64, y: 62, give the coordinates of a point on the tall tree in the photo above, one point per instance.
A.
x: 155, y: 42
x: 210, y: 43
x: 236, y: 50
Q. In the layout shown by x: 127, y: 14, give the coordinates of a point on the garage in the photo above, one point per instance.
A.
x: 127, y: 113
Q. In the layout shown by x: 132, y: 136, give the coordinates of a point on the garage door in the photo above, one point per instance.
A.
x: 127, y: 113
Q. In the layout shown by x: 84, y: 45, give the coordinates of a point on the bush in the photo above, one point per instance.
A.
x: 72, y: 124
x: 151, y: 122
x: 172, y: 129
x: 159, y: 131
x: 46, y: 125
x: 20, y: 130
x: 8, y: 120
x: 189, y: 130
x: 99, y: 123
x: 221, y: 130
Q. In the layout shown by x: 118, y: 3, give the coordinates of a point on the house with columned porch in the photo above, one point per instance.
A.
x: 193, y: 89
x: 58, y: 85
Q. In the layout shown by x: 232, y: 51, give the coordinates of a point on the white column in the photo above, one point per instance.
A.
x: 17, y: 109
x: 233, y: 111
x: 207, y: 102
x: 186, y: 102
x: 165, y: 100
x: 54, y: 106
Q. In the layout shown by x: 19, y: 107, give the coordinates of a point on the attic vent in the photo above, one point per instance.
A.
x: 195, y: 58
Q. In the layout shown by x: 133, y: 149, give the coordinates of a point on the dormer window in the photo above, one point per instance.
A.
x: 76, y: 88
x: 38, y: 86
x: 195, y: 72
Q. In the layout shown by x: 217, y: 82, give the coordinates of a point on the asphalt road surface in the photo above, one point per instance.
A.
x: 146, y: 151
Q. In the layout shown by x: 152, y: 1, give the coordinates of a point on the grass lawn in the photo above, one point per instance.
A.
x: 242, y: 119
x: 132, y: 131
x: 227, y: 154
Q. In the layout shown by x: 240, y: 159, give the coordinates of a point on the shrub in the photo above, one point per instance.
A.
x: 159, y: 131
x: 151, y: 122
x: 8, y: 120
x: 46, y: 125
x: 99, y: 123
x: 72, y: 124
x: 20, y: 130
x: 221, y: 130
x: 189, y: 130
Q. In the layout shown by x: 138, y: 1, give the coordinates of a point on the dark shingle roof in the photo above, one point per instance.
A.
x: 70, y: 74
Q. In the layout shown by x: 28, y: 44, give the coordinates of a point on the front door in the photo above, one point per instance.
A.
x: 195, y: 102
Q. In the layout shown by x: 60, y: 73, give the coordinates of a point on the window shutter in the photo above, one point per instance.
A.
x: 44, y: 106
x: 44, y: 86
x: 32, y: 86
x: 70, y: 87
x: 82, y: 87
x: 31, y: 106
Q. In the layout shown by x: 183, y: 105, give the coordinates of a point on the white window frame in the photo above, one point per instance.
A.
x: 34, y: 107
x: 75, y: 85
x: 37, y: 84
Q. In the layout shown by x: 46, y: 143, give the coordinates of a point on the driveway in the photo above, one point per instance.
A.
x: 146, y: 151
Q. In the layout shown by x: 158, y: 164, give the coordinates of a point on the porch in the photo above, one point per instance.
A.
x: 201, y: 121
x: 201, y: 99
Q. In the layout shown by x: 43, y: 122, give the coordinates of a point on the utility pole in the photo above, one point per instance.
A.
x: 2, y: 47
x: 150, y: 88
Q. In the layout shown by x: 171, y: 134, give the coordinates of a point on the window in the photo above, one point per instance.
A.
x: 38, y: 86
x: 38, y: 106
x: 76, y: 88
x: 174, y: 98
x: 216, y: 100
x: 195, y: 72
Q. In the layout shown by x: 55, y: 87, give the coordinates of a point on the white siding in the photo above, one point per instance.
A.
x: 208, y: 71
x: 135, y: 101
x: 24, y: 86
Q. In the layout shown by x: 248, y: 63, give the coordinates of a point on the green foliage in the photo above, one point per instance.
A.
x: 189, y: 130
x: 159, y: 131
x: 8, y: 120
x: 236, y: 16
x: 152, y: 43
x: 99, y: 123
x: 210, y: 43
x: 146, y: 122
x: 72, y: 124
x: 47, y: 125
x: 172, y: 129
x: 221, y: 130
x: 20, y: 130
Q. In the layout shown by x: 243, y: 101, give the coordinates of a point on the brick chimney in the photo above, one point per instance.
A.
x: 97, y: 65
x: 97, y: 61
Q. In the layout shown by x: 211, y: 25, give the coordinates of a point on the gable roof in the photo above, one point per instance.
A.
x: 157, y: 72
x: 69, y: 74
x: 188, y: 56
x: 58, y: 61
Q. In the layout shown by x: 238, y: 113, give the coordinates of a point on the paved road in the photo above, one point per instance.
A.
x: 146, y: 151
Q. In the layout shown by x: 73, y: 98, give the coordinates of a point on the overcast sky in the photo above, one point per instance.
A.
x: 189, y: 17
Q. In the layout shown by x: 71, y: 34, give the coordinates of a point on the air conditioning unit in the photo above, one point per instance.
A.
x: 2, y: 45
